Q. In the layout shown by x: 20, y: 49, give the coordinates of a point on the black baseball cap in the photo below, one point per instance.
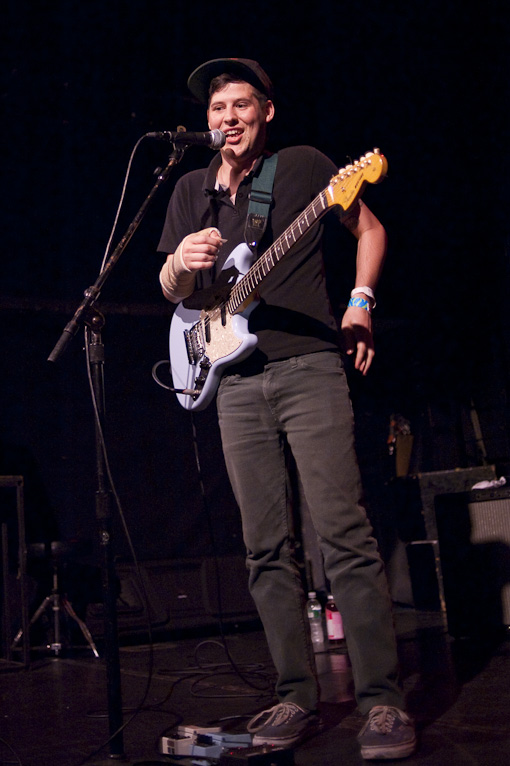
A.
x: 246, y: 69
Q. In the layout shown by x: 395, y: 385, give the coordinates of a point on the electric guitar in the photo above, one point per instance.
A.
x: 207, y: 339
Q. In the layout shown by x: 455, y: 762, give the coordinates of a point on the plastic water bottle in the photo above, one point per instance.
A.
x: 334, y: 621
x: 314, y: 612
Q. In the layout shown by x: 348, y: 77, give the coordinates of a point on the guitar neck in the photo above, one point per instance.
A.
x: 247, y: 285
x: 344, y: 188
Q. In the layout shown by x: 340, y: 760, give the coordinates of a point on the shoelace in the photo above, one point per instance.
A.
x: 281, y: 713
x: 382, y: 718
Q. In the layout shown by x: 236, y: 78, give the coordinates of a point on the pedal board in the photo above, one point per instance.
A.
x: 220, y: 747
x: 202, y: 742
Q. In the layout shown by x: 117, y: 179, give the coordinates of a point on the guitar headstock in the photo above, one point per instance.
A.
x: 345, y: 187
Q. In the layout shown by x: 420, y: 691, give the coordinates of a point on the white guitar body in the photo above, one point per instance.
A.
x: 203, y: 342
x: 199, y: 354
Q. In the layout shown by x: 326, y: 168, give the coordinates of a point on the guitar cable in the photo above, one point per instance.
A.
x: 217, y: 576
x: 186, y: 391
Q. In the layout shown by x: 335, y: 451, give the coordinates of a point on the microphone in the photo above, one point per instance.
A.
x: 215, y: 139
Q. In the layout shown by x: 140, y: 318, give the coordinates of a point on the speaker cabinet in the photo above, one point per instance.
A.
x: 179, y: 594
x: 474, y: 540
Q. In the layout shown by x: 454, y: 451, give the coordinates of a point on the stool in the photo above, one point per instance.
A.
x: 57, y: 553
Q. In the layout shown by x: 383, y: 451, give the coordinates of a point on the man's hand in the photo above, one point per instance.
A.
x: 195, y: 252
x: 199, y: 250
x: 357, y: 337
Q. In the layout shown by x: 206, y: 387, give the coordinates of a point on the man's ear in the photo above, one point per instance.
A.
x: 269, y: 106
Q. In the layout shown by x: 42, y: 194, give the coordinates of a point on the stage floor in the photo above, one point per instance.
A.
x: 55, y: 712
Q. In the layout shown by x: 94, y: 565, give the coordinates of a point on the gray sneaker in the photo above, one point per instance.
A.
x: 285, y: 724
x: 388, y: 733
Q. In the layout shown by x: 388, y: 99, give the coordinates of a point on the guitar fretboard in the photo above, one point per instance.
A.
x: 247, y: 285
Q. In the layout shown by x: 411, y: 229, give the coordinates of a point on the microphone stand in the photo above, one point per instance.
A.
x: 88, y: 315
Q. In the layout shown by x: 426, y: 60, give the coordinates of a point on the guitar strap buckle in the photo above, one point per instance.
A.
x: 257, y: 195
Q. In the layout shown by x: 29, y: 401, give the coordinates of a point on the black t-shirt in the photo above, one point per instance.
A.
x: 294, y: 316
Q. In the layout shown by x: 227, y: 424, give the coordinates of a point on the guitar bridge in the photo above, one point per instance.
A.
x: 195, y: 343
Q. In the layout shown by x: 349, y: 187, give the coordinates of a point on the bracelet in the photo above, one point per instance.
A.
x: 366, y: 291
x: 360, y: 303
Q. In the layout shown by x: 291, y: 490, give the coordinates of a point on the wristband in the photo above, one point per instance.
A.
x: 360, y: 303
x: 366, y: 291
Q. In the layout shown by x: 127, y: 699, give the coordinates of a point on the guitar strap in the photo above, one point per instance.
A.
x: 260, y: 201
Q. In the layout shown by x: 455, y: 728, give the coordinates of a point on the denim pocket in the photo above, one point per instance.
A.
x: 321, y: 361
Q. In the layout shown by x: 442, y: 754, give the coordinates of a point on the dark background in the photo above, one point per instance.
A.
x: 83, y: 81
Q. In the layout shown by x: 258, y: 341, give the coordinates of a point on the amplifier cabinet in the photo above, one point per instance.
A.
x: 474, y: 543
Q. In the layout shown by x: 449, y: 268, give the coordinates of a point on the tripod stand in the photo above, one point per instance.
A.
x: 57, y: 602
